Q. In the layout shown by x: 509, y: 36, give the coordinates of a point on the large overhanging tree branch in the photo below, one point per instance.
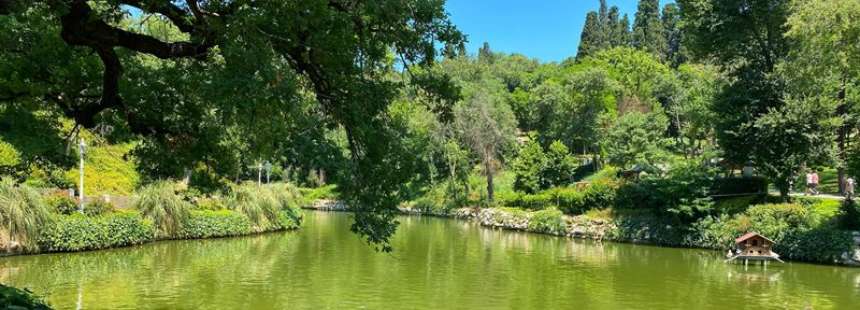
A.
x: 340, y: 51
x: 81, y: 26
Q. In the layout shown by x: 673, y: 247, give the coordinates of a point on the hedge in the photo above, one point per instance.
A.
x: 222, y: 223
x: 739, y: 186
x: 569, y: 200
x: 78, y: 232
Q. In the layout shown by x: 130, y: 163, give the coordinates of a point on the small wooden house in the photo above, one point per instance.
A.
x: 753, y: 246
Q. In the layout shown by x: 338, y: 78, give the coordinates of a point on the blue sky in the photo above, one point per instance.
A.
x: 545, y: 29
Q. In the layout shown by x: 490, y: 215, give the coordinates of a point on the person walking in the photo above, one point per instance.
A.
x: 849, y: 188
x: 814, y: 183
x: 808, y: 183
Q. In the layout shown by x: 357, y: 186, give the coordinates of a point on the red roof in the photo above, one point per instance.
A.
x: 750, y: 235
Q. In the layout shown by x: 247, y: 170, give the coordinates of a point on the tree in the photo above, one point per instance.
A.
x: 625, y: 37
x: 485, y: 54
x: 528, y: 167
x: 559, y: 165
x: 799, y: 133
x: 486, y: 124
x: 648, y: 34
x: 612, y: 26
x: 674, y: 55
x: 690, y: 106
x: 637, y: 139
x: 637, y: 73
x: 747, y: 36
x: 229, y: 66
x: 590, y: 39
x: 823, y: 63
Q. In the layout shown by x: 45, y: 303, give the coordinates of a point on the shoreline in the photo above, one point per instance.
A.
x: 627, y: 230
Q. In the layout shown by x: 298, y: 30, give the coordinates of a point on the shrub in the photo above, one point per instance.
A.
x: 159, y: 203
x: 223, y: 223
x: 822, y: 244
x: 548, y: 221
x: 13, y: 298
x: 849, y: 215
x: 78, y: 232
x: 309, y: 195
x: 600, y: 195
x: 61, y: 204
x: 287, y: 195
x: 210, y: 204
x: 537, y: 201
x: 528, y: 167
x: 22, y: 215
x: 735, y: 205
x: 510, y: 217
x: 560, y: 165
x: 739, y: 186
x: 258, y: 204
x: 571, y: 200
x: 682, y: 195
x: 98, y: 207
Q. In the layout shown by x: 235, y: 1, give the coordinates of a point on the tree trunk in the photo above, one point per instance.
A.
x: 488, y: 163
x: 841, y: 137
x: 783, y: 191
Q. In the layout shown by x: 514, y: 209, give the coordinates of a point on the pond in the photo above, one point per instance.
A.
x: 437, y: 264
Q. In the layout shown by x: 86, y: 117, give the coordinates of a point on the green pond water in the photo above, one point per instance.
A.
x: 437, y: 264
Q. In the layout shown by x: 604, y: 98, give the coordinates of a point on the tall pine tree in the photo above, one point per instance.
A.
x: 624, y: 36
x: 674, y: 55
x: 648, y: 28
x: 603, y: 30
x: 589, y: 42
x: 485, y: 54
x: 612, y: 27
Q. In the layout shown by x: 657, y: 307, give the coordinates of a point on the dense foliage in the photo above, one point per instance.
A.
x: 79, y: 232
x: 222, y: 223
x: 14, y: 298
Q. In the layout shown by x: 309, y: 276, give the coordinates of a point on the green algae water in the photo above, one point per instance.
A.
x: 437, y: 264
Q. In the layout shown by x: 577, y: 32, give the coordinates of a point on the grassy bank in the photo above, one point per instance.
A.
x: 35, y: 223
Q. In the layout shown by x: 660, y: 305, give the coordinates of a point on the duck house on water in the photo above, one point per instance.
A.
x: 753, y: 247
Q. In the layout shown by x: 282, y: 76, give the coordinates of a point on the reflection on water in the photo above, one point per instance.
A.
x: 437, y: 263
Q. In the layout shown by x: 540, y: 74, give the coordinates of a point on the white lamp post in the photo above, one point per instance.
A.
x: 82, y: 150
x: 259, y: 173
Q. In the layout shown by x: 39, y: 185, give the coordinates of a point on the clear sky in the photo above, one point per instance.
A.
x: 545, y: 29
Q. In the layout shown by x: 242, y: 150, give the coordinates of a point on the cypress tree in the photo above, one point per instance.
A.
x: 485, y: 54
x: 612, y: 27
x: 674, y: 55
x: 648, y: 28
x: 603, y: 12
x: 624, y: 36
x: 603, y: 30
x: 589, y: 42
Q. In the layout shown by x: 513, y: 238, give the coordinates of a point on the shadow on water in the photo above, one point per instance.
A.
x: 437, y: 263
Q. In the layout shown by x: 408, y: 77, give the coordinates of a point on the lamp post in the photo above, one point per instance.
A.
x: 82, y: 151
x: 268, y: 168
x: 259, y: 173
